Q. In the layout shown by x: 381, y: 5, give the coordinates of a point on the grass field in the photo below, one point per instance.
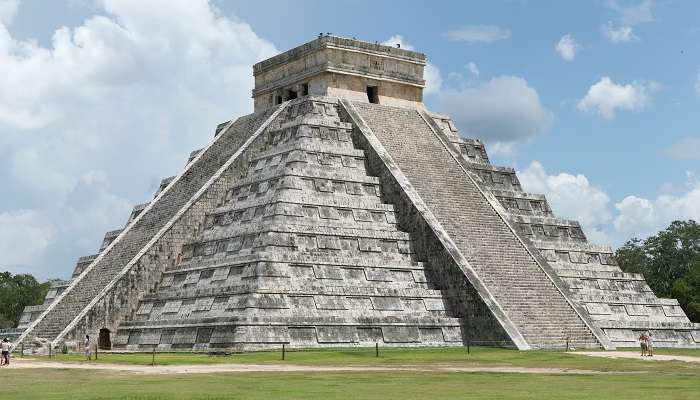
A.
x: 621, y: 379
x: 479, y: 356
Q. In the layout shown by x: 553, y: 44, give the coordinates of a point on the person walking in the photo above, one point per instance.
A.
x: 650, y: 345
x: 6, y: 346
x: 643, y: 344
x: 88, y: 349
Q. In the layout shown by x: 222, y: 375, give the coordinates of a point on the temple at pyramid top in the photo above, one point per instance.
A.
x: 343, y: 68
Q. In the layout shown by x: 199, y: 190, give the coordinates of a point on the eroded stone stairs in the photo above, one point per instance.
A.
x: 527, y: 295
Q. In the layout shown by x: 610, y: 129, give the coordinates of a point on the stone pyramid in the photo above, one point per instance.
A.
x: 342, y: 212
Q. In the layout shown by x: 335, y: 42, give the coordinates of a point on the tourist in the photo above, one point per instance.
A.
x: 6, y: 346
x: 643, y: 344
x: 88, y: 350
x: 650, y: 345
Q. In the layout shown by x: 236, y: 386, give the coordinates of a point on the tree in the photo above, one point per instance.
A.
x: 670, y: 262
x: 16, y: 292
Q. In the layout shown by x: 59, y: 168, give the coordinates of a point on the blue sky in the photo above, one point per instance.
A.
x: 595, y: 103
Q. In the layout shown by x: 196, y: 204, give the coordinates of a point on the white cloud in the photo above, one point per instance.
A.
x: 398, y: 40
x: 623, y: 34
x: 634, y: 14
x: 571, y: 196
x: 433, y: 78
x: 606, y: 97
x: 460, y: 80
x: 89, y: 124
x: 635, y: 217
x: 575, y: 197
x: 502, y: 150
x: 478, y: 34
x: 629, y: 17
x: 640, y: 217
x: 504, y: 109
x: 8, y: 11
x: 567, y: 47
x: 473, y: 69
x: 686, y: 148
x: 24, y: 237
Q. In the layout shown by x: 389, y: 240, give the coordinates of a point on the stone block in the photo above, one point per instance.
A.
x: 337, y: 334
x: 144, y: 309
x: 452, y: 334
x: 369, y: 334
x: 431, y: 335
x: 185, y: 336
x: 598, y: 308
x: 330, y: 302
x: 302, y: 335
x: 328, y: 272
x: 387, y: 303
x: 400, y: 334
x: 172, y: 306
x: 636, y: 309
x: 432, y: 304
x: 261, y: 334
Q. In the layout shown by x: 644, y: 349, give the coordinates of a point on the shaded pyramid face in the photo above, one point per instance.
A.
x: 302, y: 250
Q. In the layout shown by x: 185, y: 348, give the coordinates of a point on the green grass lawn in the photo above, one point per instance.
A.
x: 76, y: 385
x: 479, y: 356
x: 630, y: 379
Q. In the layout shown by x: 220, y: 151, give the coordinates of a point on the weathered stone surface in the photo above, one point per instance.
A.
x: 302, y: 251
x: 328, y: 220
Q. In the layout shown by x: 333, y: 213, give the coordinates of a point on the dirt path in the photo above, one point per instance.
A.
x: 636, y: 356
x: 239, y: 368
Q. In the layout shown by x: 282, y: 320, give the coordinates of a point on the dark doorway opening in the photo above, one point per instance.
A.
x: 104, y: 342
x: 278, y: 100
x: 305, y: 89
x: 291, y: 95
x: 372, y: 94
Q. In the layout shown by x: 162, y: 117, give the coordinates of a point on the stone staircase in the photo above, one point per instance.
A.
x: 620, y: 305
x: 139, y: 233
x: 528, y: 296
x: 302, y: 251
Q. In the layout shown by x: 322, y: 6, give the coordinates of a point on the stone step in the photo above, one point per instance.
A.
x: 303, y: 197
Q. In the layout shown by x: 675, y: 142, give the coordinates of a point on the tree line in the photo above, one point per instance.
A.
x: 670, y: 262
x: 16, y: 292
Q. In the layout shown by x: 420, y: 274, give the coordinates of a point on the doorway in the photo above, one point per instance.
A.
x: 372, y: 94
x: 104, y: 341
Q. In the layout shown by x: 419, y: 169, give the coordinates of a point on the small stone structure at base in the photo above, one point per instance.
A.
x: 342, y: 212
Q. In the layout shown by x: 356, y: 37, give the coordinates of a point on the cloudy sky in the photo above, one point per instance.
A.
x: 596, y: 104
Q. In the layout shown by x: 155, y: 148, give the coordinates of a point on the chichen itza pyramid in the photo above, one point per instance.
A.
x: 342, y: 212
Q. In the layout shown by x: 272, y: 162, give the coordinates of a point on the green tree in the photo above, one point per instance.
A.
x: 16, y: 292
x: 670, y: 262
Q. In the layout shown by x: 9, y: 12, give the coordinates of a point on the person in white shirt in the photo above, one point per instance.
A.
x: 88, y: 350
x: 650, y: 345
x: 6, y: 346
